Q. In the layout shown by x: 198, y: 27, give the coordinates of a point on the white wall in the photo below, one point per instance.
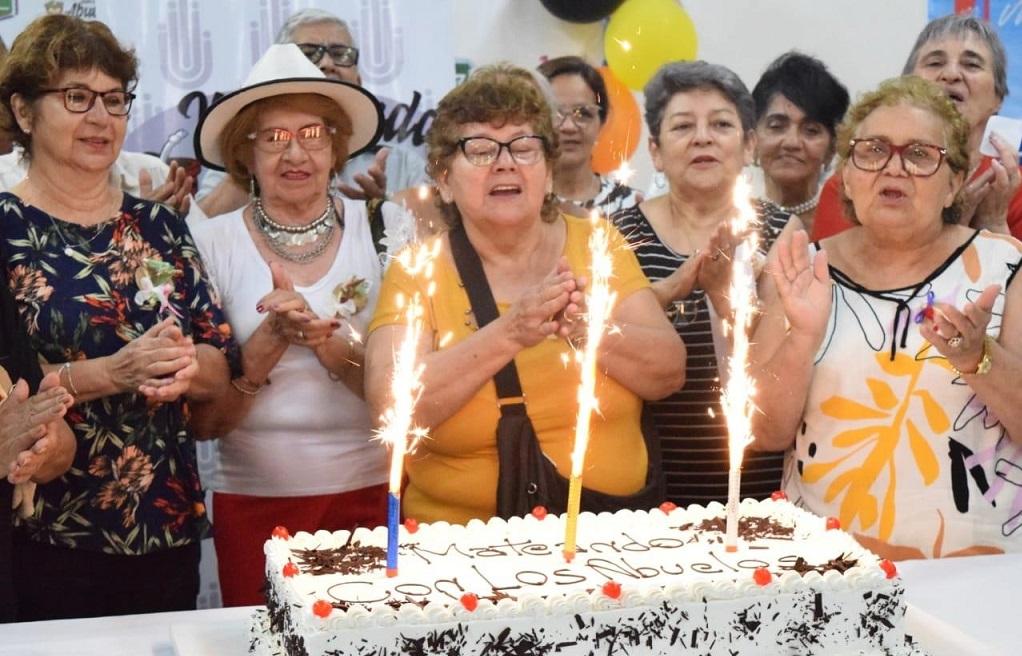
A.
x: 862, y: 41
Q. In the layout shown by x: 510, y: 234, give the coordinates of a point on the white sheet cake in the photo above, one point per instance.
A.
x: 657, y: 582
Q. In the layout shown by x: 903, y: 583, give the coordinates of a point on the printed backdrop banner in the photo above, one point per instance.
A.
x: 1006, y: 17
x: 191, y: 51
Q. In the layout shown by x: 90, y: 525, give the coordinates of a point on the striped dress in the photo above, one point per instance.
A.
x: 691, y: 424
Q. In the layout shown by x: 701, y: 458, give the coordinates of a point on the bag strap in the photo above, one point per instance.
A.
x: 484, y: 307
x: 374, y: 206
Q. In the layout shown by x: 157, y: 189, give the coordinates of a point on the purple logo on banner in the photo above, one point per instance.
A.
x: 263, y: 32
x: 382, y: 57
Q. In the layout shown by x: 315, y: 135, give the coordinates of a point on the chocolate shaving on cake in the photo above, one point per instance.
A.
x: 841, y: 564
x: 352, y: 559
x: 748, y: 527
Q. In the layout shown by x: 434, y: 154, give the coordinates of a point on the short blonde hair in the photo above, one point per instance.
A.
x: 916, y: 92
x: 498, y: 94
x: 237, y: 147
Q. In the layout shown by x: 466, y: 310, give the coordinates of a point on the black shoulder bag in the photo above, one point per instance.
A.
x: 527, y: 477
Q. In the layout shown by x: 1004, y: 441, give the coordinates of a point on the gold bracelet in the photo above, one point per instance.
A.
x: 66, y: 368
x: 984, y: 364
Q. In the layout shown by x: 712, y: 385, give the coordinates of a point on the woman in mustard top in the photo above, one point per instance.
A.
x: 490, y: 152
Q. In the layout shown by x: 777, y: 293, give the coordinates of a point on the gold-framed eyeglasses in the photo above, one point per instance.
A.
x: 917, y: 159
x: 483, y: 151
x: 79, y: 100
x: 277, y: 140
x: 581, y: 115
x: 340, y: 54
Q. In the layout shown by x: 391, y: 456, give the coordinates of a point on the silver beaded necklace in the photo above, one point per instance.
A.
x: 283, y: 239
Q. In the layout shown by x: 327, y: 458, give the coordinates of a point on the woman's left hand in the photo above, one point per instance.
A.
x: 28, y: 427
x: 293, y: 319
x: 171, y: 388
x: 986, y: 199
x: 572, y: 322
x: 959, y: 334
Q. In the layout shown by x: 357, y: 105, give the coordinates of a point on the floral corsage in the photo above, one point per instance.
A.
x: 155, y: 280
x: 351, y: 297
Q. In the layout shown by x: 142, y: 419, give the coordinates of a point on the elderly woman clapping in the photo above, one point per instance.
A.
x: 490, y: 149
x: 891, y: 375
x: 113, y: 296
x: 298, y: 268
x: 701, y: 118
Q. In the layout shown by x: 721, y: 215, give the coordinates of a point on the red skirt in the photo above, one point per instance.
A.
x: 242, y: 523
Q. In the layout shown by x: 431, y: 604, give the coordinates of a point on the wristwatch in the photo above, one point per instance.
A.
x: 984, y: 362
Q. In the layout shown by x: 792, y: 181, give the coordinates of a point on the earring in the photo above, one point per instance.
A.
x: 253, y: 192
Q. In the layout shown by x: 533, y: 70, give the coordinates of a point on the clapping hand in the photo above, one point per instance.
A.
x: 372, y: 183
x: 290, y: 315
x: 174, y: 192
x: 28, y: 426
x: 803, y: 285
x: 157, y: 359
x: 537, y: 313
x: 959, y: 334
x: 987, y: 197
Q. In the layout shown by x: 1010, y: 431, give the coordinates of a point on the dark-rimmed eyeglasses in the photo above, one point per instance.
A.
x: 483, y: 151
x: 917, y: 159
x: 79, y: 100
x: 340, y: 54
x: 582, y: 115
x: 277, y: 140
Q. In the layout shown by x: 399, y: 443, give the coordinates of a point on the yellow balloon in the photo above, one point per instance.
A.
x: 643, y: 35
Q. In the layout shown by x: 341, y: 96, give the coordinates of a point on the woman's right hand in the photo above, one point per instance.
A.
x: 291, y: 318
x: 803, y: 285
x: 534, y: 316
x: 27, y: 426
x: 150, y: 357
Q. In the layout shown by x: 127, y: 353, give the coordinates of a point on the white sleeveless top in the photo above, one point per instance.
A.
x: 305, y: 434
x: 893, y: 442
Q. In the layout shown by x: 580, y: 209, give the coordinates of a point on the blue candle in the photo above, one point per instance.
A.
x: 393, y: 514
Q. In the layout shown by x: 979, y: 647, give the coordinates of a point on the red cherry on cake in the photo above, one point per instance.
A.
x: 322, y: 608
x: 290, y: 569
x: 469, y: 601
x: 833, y: 523
x: 612, y: 589
x: 668, y: 506
x: 539, y: 512
x: 280, y: 532
x: 411, y: 524
x: 889, y: 569
x: 779, y: 495
x: 762, y: 576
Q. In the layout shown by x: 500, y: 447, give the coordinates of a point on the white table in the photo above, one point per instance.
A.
x: 979, y: 596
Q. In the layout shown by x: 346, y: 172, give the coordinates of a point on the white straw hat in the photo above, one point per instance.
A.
x: 283, y: 69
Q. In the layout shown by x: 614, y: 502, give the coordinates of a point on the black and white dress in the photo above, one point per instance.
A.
x: 612, y: 197
x: 693, y: 431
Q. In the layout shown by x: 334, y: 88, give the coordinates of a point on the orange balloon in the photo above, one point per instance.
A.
x: 621, y: 133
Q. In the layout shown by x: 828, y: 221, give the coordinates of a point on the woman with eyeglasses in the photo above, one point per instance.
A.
x: 964, y: 56
x: 113, y: 296
x: 298, y: 269
x: 582, y: 108
x: 888, y: 356
x: 491, y: 151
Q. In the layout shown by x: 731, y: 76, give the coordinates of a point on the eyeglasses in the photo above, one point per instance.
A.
x: 917, y: 159
x: 79, y: 100
x: 340, y: 54
x: 277, y: 140
x: 581, y: 115
x: 483, y: 151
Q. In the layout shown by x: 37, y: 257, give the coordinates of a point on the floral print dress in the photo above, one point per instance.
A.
x: 86, y: 292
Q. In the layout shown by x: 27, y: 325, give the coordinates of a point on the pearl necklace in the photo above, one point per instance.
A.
x: 801, y: 208
x: 280, y: 237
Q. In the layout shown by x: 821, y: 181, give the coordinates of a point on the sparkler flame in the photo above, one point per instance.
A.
x: 599, y: 302
x: 737, y: 398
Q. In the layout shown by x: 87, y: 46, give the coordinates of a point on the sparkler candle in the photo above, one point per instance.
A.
x: 737, y: 399
x: 599, y: 302
x: 396, y: 425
